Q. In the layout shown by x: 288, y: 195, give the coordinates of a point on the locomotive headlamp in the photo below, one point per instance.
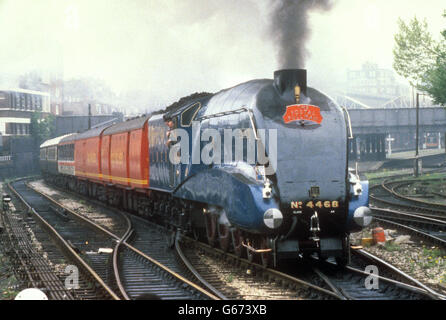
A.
x: 362, y: 216
x: 273, y: 218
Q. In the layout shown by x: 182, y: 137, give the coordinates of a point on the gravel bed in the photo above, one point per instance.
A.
x: 9, y: 284
x: 245, y: 283
x: 421, y: 189
x: 79, y: 206
x: 417, y: 258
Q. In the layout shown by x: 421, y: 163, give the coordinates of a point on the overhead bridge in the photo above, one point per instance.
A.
x: 378, y: 132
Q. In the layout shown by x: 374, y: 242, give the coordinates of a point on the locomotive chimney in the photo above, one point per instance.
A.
x: 287, y: 79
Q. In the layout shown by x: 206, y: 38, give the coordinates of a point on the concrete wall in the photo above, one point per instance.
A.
x: 24, y: 159
x: 70, y: 124
x: 401, y: 120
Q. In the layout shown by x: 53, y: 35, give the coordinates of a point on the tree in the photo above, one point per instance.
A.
x: 420, y: 59
x: 42, y: 128
x: 435, y: 82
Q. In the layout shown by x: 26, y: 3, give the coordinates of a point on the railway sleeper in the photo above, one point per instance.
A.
x: 179, y: 215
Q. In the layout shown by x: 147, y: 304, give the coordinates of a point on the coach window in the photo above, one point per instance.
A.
x: 51, y: 153
x: 62, y: 152
x: 42, y: 154
x: 189, y: 114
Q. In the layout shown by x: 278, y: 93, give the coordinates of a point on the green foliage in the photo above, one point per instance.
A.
x: 420, y: 59
x: 435, y: 82
x: 415, y: 50
x: 391, y: 246
x: 434, y: 252
x: 229, y: 278
x: 42, y: 128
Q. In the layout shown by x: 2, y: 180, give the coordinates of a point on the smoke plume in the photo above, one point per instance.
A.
x: 290, y: 30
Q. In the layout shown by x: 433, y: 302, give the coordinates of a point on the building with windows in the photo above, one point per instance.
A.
x: 376, y: 87
x: 16, y: 108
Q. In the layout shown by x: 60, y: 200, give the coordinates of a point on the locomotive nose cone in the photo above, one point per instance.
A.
x: 287, y: 79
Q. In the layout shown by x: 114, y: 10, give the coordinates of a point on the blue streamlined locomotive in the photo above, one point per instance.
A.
x: 260, y: 169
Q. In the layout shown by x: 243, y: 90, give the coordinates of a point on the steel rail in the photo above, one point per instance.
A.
x: 194, y: 271
x: 418, y: 289
x: 411, y: 215
x: 433, y: 238
x: 421, y: 211
x: 67, y: 247
x: 395, y: 282
x: 19, y: 257
x: 127, y: 234
x: 129, y: 246
x: 342, y: 295
x: 78, y: 216
x: 171, y: 272
x: 274, y: 273
x: 32, y: 262
x: 399, y: 183
x: 119, y: 240
x: 372, y: 257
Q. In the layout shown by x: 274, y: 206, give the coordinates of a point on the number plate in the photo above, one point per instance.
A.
x: 298, y: 206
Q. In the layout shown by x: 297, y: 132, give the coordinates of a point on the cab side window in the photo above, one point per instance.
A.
x: 189, y: 114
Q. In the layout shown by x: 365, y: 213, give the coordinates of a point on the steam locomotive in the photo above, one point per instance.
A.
x: 260, y: 169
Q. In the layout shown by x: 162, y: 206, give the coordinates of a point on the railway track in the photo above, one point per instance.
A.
x: 32, y: 269
x: 384, y: 197
x: 268, y: 283
x: 330, y: 283
x: 414, y: 216
x: 81, y: 243
x: 383, y: 282
x: 25, y: 227
x: 392, y: 186
x: 128, y: 273
x: 419, y: 199
x: 157, y: 241
x: 344, y: 284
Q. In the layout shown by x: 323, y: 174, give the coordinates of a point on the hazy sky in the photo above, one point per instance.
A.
x: 170, y: 48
